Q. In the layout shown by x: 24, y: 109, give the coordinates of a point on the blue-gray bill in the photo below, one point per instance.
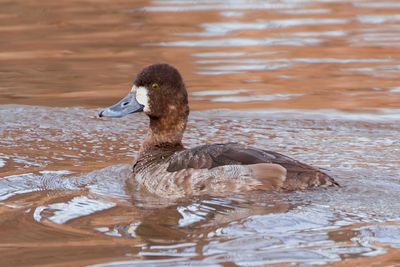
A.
x: 125, y: 106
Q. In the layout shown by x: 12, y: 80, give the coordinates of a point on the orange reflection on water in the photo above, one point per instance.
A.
x: 341, y: 55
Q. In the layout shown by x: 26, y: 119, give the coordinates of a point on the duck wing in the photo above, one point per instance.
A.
x: 299, y: 175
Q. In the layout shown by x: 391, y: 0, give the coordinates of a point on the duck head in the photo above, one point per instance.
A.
x: 158, y: 91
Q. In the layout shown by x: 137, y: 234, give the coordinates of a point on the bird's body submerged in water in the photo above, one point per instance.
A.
x: 164, y: 167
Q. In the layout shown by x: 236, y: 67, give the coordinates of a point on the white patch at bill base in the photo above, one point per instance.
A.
x: 142, y: 97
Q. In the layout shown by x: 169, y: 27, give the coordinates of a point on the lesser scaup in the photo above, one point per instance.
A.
x: 168, y: 169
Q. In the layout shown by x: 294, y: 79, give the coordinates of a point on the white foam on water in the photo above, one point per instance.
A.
x: 75, y: 208
x: 223, y: 28
x: 2, y: 163
x: 237, y: 42
x: 394, y: 90
x: 377, y: 19
x: 59, y: 172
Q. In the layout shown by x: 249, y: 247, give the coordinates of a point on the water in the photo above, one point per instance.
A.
x: 63, y: 191
x: 316, y: 80
x: 320, y: 54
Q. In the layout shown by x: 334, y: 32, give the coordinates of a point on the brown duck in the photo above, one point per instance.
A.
x: 166, y: 168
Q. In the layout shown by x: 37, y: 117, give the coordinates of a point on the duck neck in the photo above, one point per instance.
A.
x: 165, y: 133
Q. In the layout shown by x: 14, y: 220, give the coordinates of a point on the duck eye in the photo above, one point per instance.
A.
x: 155, y: 86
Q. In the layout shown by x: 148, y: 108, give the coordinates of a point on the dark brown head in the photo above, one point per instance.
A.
x: 158, y: 90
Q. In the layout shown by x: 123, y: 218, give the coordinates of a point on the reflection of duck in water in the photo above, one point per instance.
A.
x: 165, y: 168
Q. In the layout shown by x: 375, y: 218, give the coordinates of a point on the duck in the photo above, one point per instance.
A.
x: 165, y: 168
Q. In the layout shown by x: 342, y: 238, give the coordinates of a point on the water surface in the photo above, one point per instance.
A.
x: 63, y: 192
x: 320, y: 54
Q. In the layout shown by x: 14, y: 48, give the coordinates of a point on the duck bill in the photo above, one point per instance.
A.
x: 125, y: 106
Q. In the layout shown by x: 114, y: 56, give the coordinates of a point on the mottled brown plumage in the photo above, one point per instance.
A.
x: 164, y: 167
x: 299, y: 175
